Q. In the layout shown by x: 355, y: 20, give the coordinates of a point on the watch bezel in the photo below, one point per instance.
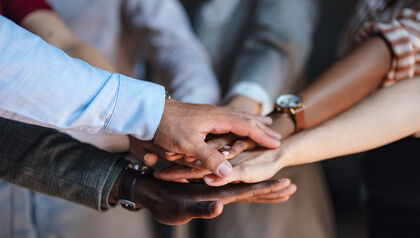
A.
x: 289, y: 105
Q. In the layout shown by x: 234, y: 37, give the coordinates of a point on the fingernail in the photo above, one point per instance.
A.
x: 224, y: 169
x: 284, y: 181
x: 211, y: 207
x: 225, y: 153
x: 226, y: 147
x: 276, y: 135
x: 169, y: 153
x: 267, y: 120
x: 209, y: 179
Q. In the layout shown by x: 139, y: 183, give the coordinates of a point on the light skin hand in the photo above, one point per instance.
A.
x: 361, y: 128
x: 229, y: 144
x: 282, y: 123
x: 184, y: 127
x: 248, y: 167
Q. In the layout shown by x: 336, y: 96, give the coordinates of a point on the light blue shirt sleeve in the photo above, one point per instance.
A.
x: 40, y: 84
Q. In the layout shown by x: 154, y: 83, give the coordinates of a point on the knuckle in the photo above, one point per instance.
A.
x: 250, y: 121
x: 241, y: 144
x: 216, y: 143
x: 212, y: 159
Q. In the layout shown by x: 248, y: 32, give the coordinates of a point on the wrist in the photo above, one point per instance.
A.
x: 246, y: 104
x: 126, y: 187
x: 282, y: 123
x: 113, y: 195
x: 295, y: 149
x: 284, y: 155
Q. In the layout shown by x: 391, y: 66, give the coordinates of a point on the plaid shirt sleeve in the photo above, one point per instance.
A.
x: 53, y: 163
x: 403, y: 36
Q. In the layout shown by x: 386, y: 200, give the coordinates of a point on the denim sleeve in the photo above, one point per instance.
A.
x: 53, y: 163
x: 276, y: 47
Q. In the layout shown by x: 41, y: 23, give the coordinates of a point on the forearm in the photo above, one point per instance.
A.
x: 47, y: 161
x: 52, y: 29
x: 87, y: 53
x: 347, y: 82
x: 386, y: 116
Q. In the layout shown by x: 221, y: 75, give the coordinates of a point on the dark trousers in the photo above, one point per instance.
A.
x: 392, y: 176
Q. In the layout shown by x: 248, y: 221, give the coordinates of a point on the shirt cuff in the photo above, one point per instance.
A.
x: 138, y: 108
x: 401, y: 34
x: 109, y: 183
x: 253, y: 91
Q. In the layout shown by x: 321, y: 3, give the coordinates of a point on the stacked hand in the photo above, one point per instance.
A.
x: 177, y: 203
x: 183, y: 137
x: 252, y: 166
x: 184, y: 128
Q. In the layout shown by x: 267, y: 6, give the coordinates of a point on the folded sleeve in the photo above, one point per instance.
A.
x: 40, y: 84
x: 402, y: 34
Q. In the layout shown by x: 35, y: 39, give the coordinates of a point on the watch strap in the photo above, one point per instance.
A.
x: 126, y: 189
x: 299, y: 118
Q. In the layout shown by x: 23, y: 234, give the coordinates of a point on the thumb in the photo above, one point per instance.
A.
x: 213, y: 160
x: 206, y: 209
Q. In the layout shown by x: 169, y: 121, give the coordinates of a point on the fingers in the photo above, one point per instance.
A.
x: 195, y: 164
x: 265, y: 120
x: 150, y: 159
x: 261, y: 200
x: 236, y: 192
x: 285, y: 192
x: 247, y: 125
x: 275, y: 197
x: 216, y: 181
x: 213, y: 160
x: 171, y: 156
x: 146, y: 151
x: 238, y: 147
x: 205, y: 209
x: 215, y: 143
x: 176, y: 172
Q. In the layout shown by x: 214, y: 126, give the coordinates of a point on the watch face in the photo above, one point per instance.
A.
x: 288, y: 101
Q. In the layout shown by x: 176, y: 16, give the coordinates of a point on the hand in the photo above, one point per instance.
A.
x: 248, y: 167
x: 226, y: 143
x: 232, y: 145
x: 229, y: 145
x: 184, y: 127
x: 146, y: 151
x: 245, y: 104
x: 175, y: 203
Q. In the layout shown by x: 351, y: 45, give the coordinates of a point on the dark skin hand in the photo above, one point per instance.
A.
x: 178, y: 203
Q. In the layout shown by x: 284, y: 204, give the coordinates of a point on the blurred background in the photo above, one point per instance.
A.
x: 343, y: 175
